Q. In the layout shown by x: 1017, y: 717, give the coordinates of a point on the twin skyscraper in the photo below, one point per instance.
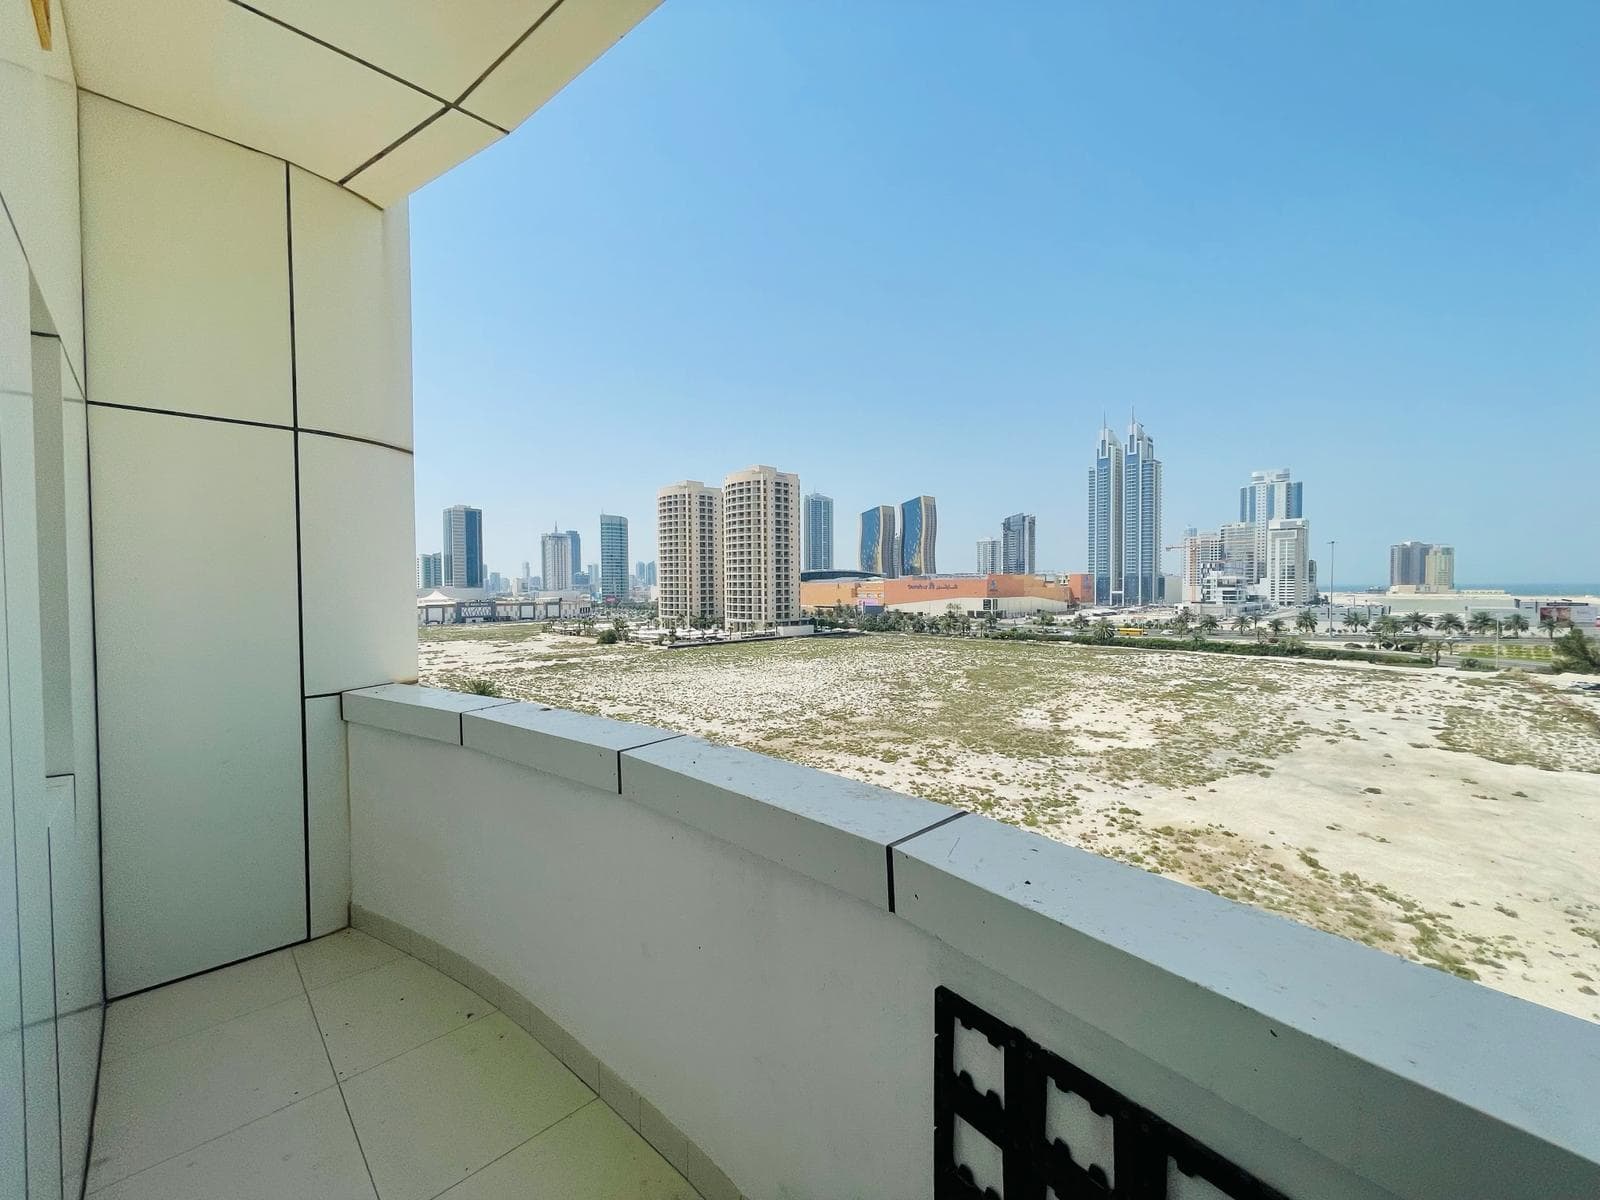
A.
x: 907, y: 547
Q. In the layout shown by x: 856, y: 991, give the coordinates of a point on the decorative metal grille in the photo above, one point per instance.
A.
x: 1145, y: 1148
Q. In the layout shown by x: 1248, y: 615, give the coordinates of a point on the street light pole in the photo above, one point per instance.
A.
x: 1331, y: 545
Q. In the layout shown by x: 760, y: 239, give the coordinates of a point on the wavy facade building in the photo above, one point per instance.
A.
x: 919, y: 533
x: 879, y: 543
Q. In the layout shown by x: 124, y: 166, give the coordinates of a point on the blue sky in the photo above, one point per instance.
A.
x: 902, y: 248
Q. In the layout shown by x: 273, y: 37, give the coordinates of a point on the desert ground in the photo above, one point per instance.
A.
x: 1449, y: 817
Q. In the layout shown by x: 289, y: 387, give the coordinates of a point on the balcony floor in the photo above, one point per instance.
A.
x: 346, y: 1070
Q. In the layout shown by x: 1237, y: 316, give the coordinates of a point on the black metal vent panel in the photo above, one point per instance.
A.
x: 1035, y: 1165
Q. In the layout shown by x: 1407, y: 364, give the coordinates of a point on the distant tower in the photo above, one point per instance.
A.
x: 1269, y: 496
x: 818, y: 532
x: 880, y: 552
x: 760, y: 548
x: 430, y: 570
x: 689, y: 546
x: 1016, y: 551
x: 989, y: 556
x: 556, y: 550
x: 919, y: 535
x: 463, y: 547
x: 613, y: 559
x: 1141, y: 519
x: 1105, y: 518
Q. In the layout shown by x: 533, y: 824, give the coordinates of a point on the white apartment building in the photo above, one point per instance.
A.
x: 760, y: 548
x: 556, y: 561
x: 1288, y: 565
x: 689, y: 567
x: 989, y: 556
x: 1202, y: 555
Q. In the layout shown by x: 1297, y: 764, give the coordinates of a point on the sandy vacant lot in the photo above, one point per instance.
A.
x: 1452, y: 818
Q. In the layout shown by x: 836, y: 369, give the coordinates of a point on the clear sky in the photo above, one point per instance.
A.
x: 902, y: 248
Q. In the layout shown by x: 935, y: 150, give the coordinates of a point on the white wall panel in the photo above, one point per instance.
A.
x: 186, y: 268
x: 39, y: 180
x: 200, y: 738
x: 359, y: 574
x: 328, y: 811
x: 352, y: 312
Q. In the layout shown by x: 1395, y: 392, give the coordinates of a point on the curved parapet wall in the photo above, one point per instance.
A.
x: 754, y: 949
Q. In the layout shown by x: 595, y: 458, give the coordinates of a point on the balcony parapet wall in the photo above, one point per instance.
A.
x: 752, y: 947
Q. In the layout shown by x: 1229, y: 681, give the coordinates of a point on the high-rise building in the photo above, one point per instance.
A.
x: 577, y: 550
x: 462, y: 556
x: 1439, y: 569
x: 819, y: 532
x: 430, y: 570
x: 1016, y: 551
x: 880, y: 547
x: 613, y: 559
x: 556, y: 551
x: 1202, y: 556
x: 1408, y: 564
x: 1105, y: 518
x: 760, y: 548
x: 989, y: 556
x: 1239, y: 550
x: 1141, y: 519
x: 1269, y: 496
x: 919, y: 536
x: 689, y: 542
x: 1288, y: 566
x: 590, y: 580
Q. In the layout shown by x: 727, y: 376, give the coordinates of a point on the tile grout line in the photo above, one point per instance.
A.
x: 199, y: 1145
x: 594, y: 1098
x: 337, y: 1082
x: 178, y: 1037
x: 488, y: 1011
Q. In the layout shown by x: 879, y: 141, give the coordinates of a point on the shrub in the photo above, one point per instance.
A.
x: 607, y: 637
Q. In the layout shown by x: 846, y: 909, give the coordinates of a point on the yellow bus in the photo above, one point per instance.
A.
x: 1130, y: 631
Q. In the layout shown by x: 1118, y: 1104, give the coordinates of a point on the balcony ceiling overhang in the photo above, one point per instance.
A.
x: 378, y: 95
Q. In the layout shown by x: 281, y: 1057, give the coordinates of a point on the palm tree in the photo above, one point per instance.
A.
x: 1549, y: 625
x: 1387, y: 628
x: 1352, y: 619
x: 1449, y: 623
x: 1517, y: 624
x: 1103, y: 631
x: 1276, y: 626
x: 1209, y: 625
x: 1480, y: 623
x: 1306, y: 622
x: 1417, y: 622
x: 1181, y: 622
x: 1242, y: 623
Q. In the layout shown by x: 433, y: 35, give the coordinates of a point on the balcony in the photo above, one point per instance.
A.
x: 279, y: 932
x: 703, y: 968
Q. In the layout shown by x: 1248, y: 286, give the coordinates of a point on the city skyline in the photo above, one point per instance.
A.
x: 1288, y: 296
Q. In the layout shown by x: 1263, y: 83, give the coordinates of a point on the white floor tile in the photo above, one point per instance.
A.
x: 340, y: 955
x: 307, y: 1150
x: 180, y: 1093
x: 380, y: 1013
x: 433, y: 1116
x: 591, y: 1155
x: 145, y: 1020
